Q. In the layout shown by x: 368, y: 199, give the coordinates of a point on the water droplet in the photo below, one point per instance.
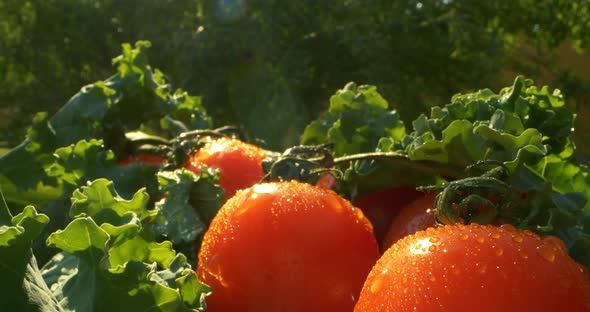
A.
x: 418, y: 246
x: 434, y: 239
x: 480, y: 239
x: 384, y: 271
x: 404, y: 260
x: 498, y: 251
x: 555, y: 242
x: 376, y: 285
x: 547, y: 251
x: 518, y: 238
x: 524, y: 255
x: 432, y: 279
x: 482, y: 268
x: 495, y: 235
x: 509, y: 228
x: 432, y: 248
x: 464, y: 237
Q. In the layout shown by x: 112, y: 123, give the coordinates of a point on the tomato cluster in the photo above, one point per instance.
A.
x: 293, y: 246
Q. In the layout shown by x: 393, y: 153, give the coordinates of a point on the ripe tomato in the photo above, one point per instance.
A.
x: 286, y: 246
x: 145, y: 158
x: 381, y: 207
x: 476, y: 268
x: 413, y: 217
x: 239, y: 163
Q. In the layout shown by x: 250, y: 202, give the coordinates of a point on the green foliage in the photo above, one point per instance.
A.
x: 22, y: 286
x: 113, y: 259
x: 524, y: 129
x: 276, y: 63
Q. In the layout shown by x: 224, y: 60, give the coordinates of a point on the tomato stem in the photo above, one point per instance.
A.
x: 427, y: 166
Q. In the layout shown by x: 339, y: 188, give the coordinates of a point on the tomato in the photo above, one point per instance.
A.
x: 286, y: 246
x: 381, y: 207
x: 413, y: 217
x: 327, y: 181
x: 145, y: 158
x: 239, y: 163
x: 476, y: 268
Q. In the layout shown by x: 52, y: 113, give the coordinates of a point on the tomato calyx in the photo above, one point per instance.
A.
x: 478, y: 199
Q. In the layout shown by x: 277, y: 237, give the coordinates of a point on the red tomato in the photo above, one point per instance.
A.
x: 327, y: 181
x: 476, y: 268
x: 286, y: 246
x: 382, y: 207
x: 413, y: 217
x: 239, y: 163
x: 145, y: 158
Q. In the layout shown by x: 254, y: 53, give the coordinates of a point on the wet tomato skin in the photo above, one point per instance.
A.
x: 476, y: 268
x: 413, y: 217
x: 286, y: 246
x: 239, y: 163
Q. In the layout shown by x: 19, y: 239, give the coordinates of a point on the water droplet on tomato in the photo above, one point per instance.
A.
x: 432, y: 248
x: 547, y: 252
x: 480, y: 239
x: 498, y: 251
x: 509, y: 228
x: 376, y: 285
x: 464, y: 237
x: 556, y: 242
x: 481, y: 268
x: 434, y: 239
x: 518, y: 238
x: 495, y: 235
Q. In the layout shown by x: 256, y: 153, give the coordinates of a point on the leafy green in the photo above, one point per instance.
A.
x: 190, y: 204
x: 136, y: 96
x: 111, y: 260
x: 357, y: 119
x: 527, y: 130
x: 22, y: 287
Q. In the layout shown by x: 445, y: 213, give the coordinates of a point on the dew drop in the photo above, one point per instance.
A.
x: 434, y: 239
x: 495, y: 235
x: 376, y: 285
x: 555, y: 242
x: 524, y: 255
x: 498, y: 251
x: 480, y: 239
x: 432, y: 279
x: 464, y: 237
x: 509, y: 228
x: 518, y: 238
x: 432, y: 248
x: 482, y: 268
x: 547, y: 252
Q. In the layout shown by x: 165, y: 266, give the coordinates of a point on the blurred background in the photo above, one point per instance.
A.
x: 258, y: 63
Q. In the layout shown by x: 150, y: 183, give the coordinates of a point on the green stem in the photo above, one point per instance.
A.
x: 5, y: 216
x: 426, y: 166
